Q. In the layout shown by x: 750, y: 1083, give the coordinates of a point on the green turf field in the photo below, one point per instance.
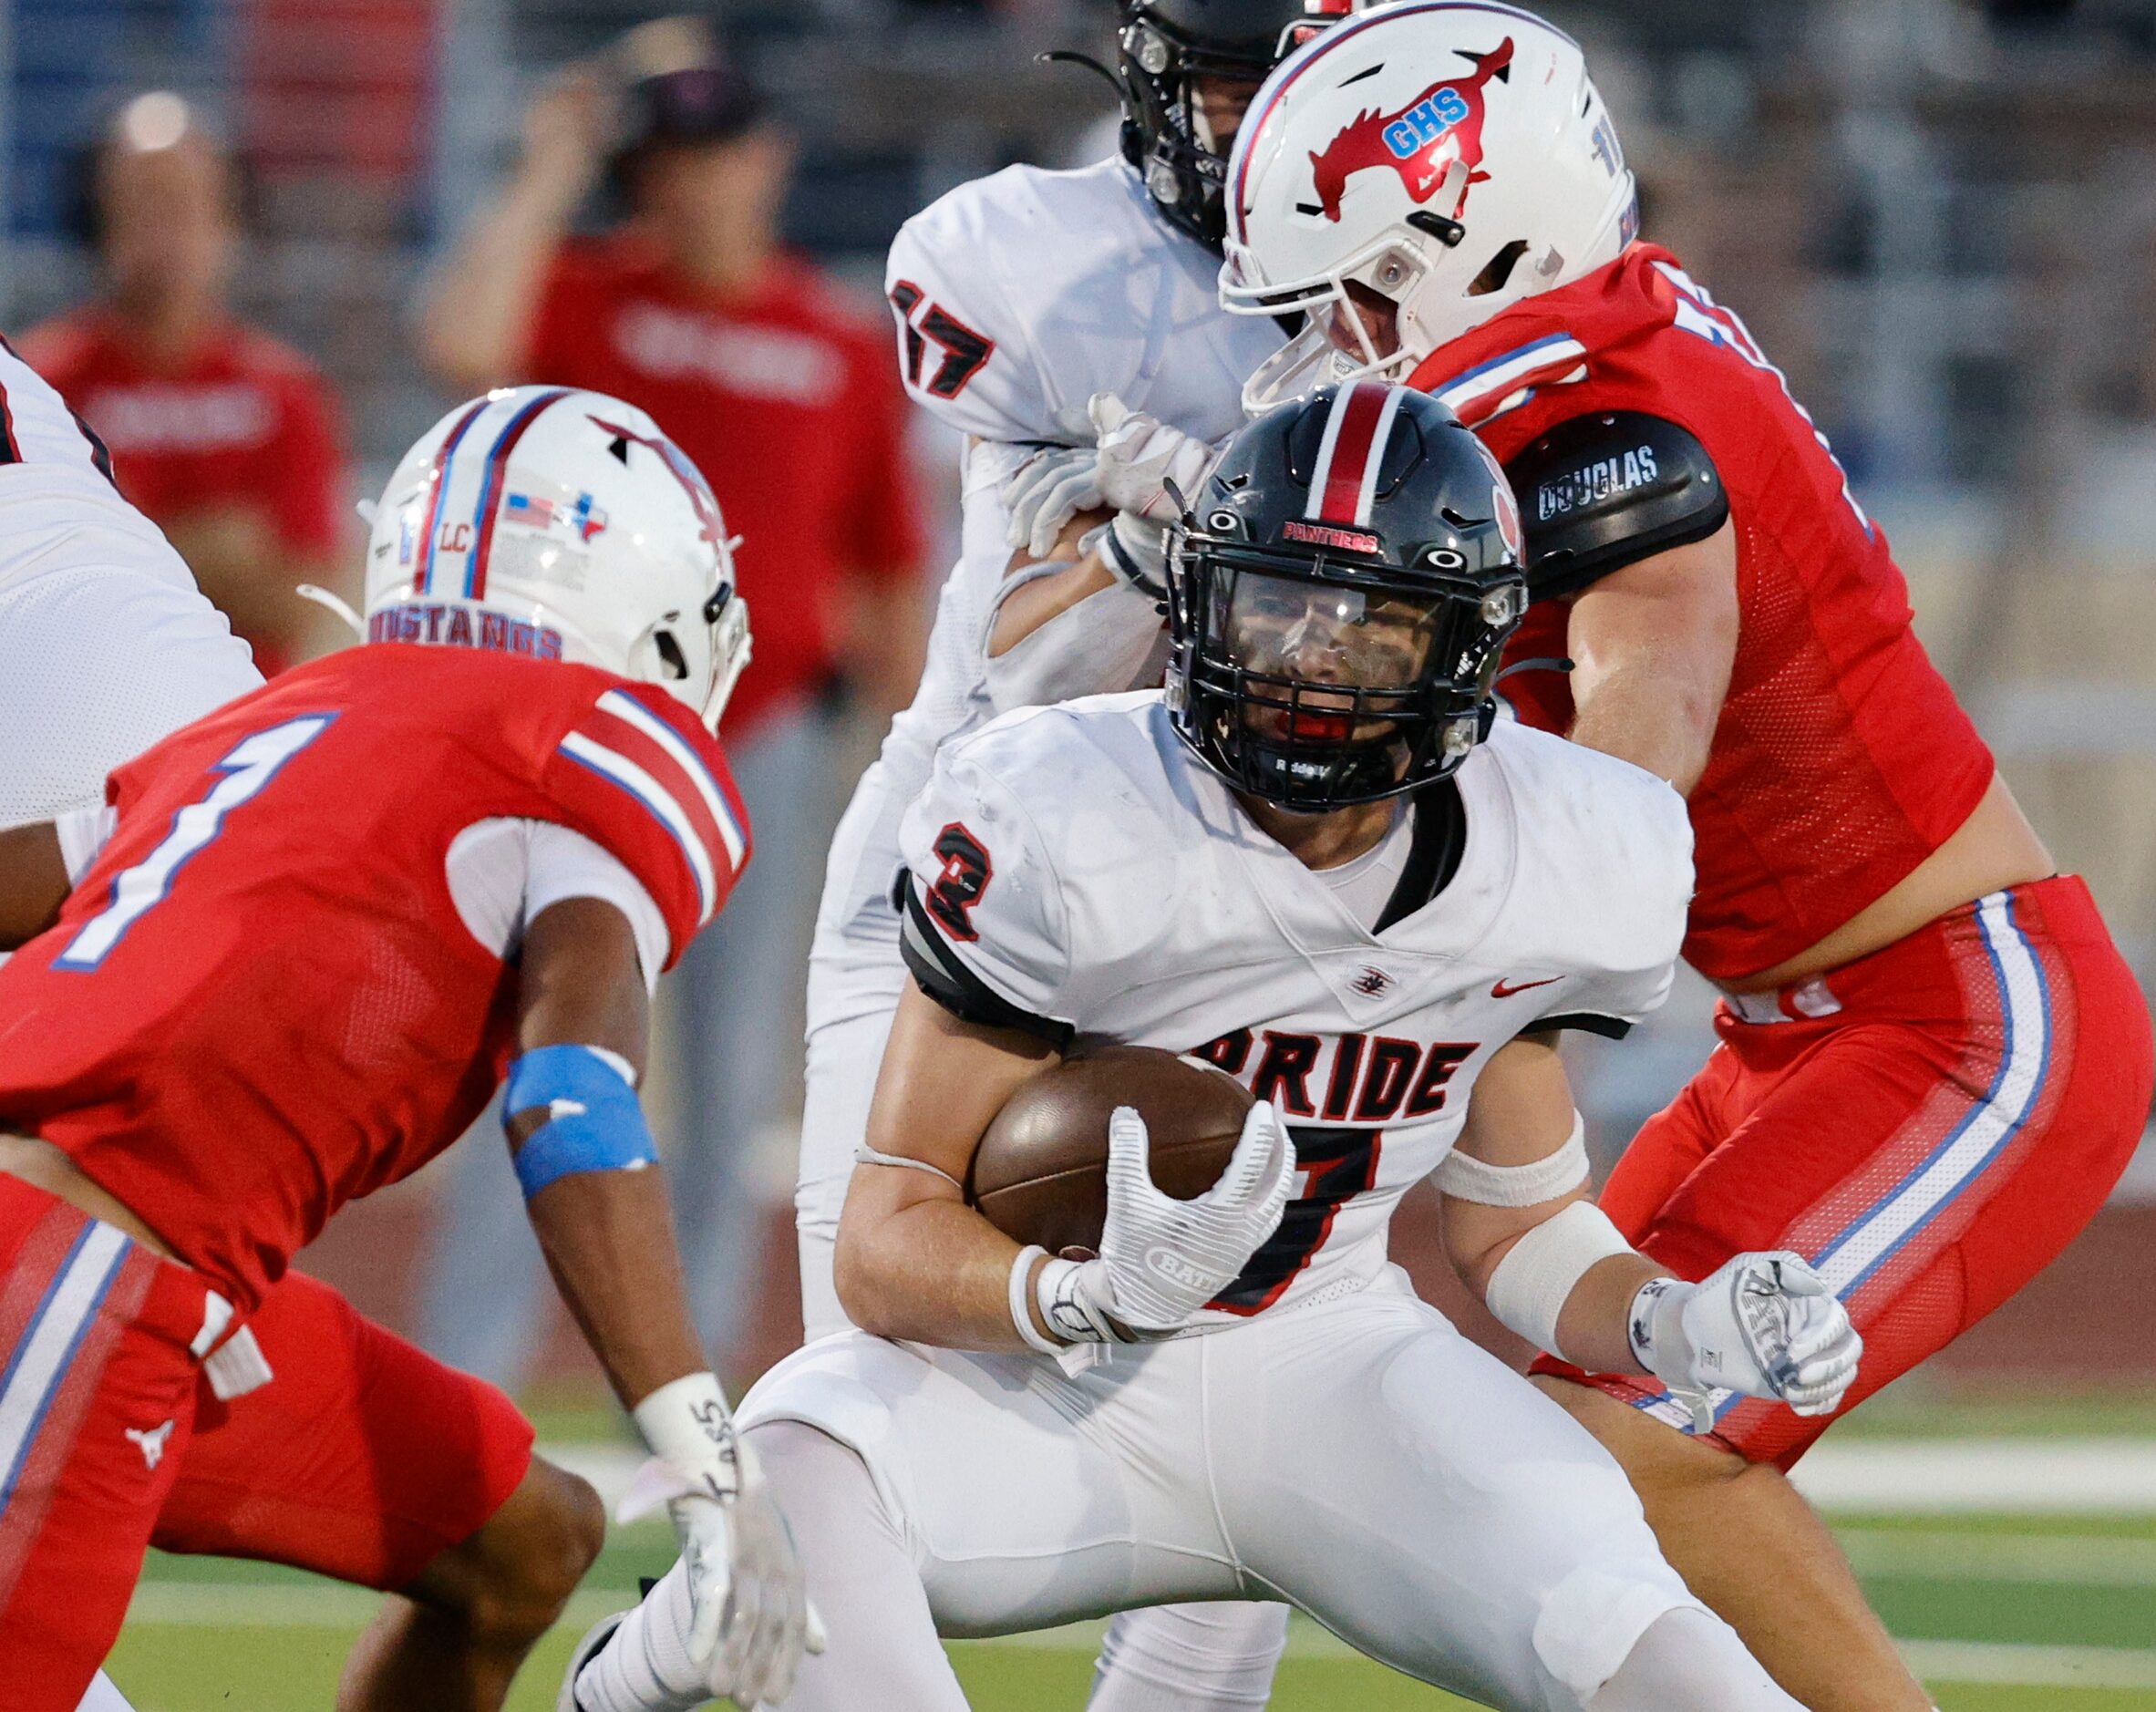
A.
x: 2031, y: 1611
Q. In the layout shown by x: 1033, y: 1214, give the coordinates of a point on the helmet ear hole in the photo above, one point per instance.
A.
x: 1498, y: 269
x: 670, y: 654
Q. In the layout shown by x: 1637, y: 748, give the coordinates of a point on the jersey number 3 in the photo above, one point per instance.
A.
x: 921, y: 323
x: 140, y: 889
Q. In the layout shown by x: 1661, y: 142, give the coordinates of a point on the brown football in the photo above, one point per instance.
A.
x: 1041, y: 1172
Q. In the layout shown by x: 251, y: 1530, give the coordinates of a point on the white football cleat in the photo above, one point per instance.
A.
x: 594, y: 1641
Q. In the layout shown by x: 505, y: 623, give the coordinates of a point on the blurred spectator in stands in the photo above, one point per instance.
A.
x: 790, y: 405
x: 227, y: 438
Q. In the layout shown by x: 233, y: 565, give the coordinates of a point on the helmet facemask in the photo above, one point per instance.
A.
x: 1318, y: 680
x: 1166, y: 133
x: 1340, y: 342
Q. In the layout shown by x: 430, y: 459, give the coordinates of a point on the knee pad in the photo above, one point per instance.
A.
x: 1591, y: 1621
x: 1688, y: 1660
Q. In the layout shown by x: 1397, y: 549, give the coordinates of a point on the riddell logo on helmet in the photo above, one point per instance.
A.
x: 1328, y: 535
x: 1422, y: 143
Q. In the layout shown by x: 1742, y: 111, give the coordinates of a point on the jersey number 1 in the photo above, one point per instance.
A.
x: 140, y: 889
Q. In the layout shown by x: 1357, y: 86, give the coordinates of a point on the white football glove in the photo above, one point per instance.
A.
x: 1162, y: 1259
x: 1765, y: 1325
x: 751, y: 1618
x: 1141, y: 456
x: 1045, y: 491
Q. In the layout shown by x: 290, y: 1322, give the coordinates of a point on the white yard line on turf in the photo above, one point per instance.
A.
x: 2029, y: 1666
x: 1934, y: 1477
x: 1946, y: 1476
x: 305, y: 1605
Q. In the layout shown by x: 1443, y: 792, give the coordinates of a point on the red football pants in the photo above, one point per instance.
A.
x: 361, y: 1459
x: 96, y: 1402
x: 1930, y: 1143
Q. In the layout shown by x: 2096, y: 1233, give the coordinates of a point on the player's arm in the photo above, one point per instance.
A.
x: 1066, y: 620
x: 1104, y: 508
x: 606, y: 1228
x: 1626, y: 514
x: 32, y: 882
x: 913, y: 1260
x: 1525, y: 1234
x: 600, y: 1209
x: 479, y: 304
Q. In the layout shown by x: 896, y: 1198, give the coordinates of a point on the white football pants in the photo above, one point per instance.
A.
x: 1357, y: 1458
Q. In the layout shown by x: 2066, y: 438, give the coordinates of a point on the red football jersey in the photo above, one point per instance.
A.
x: 262, y: 1002
x: 1842, y: 758
x: 787, y: 402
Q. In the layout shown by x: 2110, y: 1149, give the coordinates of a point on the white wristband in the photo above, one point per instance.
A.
x: 1021, y: 1301
x: 1529, y: 1289
x: 1555, y: 1174
x: 688, y: 1425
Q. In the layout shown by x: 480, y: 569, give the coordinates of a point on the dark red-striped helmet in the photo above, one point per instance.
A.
x: 1339, y: 594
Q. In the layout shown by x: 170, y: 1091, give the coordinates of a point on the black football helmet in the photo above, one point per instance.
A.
x: 1338, y: 595
x: 1164, y: 47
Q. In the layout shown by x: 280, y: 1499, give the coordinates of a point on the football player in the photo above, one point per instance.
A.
x: 1313, y: 862
x: 1019, y: 298
x: 105, y: 648
x: 1933, y: 1062
x: 342, y: 904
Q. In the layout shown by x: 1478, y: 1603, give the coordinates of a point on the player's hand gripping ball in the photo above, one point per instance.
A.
x: 1040, y: 1175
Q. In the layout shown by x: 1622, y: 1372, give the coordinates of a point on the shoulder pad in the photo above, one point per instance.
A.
x: 938, y: 971
x: 1604, y: 490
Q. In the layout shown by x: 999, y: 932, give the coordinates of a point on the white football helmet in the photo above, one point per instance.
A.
x: 1452, y: 159
x: 561, y: 525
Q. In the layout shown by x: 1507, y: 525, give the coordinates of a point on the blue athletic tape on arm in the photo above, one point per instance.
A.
x: 597, y: 1123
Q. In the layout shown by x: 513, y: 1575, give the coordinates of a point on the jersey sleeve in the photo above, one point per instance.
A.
x: 1606, y: 489
x: 562, y: 864
x: 963, y: 351
x: 987, y: 933
x: 638, y: 775
x: 1601, y: 883
x: 1633, y: 863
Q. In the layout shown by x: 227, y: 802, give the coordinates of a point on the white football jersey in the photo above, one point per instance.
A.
x: 1018, y: 297
x: 58, y: 508
x: 1088, y: 870
x: 1021, y: 295
x: 106, y: 645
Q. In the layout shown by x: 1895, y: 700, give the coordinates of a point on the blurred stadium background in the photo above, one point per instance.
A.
x: 1940, y: 219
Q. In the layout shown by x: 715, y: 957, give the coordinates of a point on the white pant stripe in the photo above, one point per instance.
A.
x: 2013, y: 1095
x: 2026, y: 1013
x: 50, y: 1342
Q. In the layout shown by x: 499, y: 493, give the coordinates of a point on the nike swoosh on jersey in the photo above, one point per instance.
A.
x: 1502, y: 990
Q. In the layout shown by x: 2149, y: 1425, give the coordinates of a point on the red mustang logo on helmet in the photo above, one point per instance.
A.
x: 1422, y: 143
x: 683, y: 471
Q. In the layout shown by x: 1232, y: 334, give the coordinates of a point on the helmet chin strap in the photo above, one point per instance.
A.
x: 336, y: 603
x: 1344, y: 775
